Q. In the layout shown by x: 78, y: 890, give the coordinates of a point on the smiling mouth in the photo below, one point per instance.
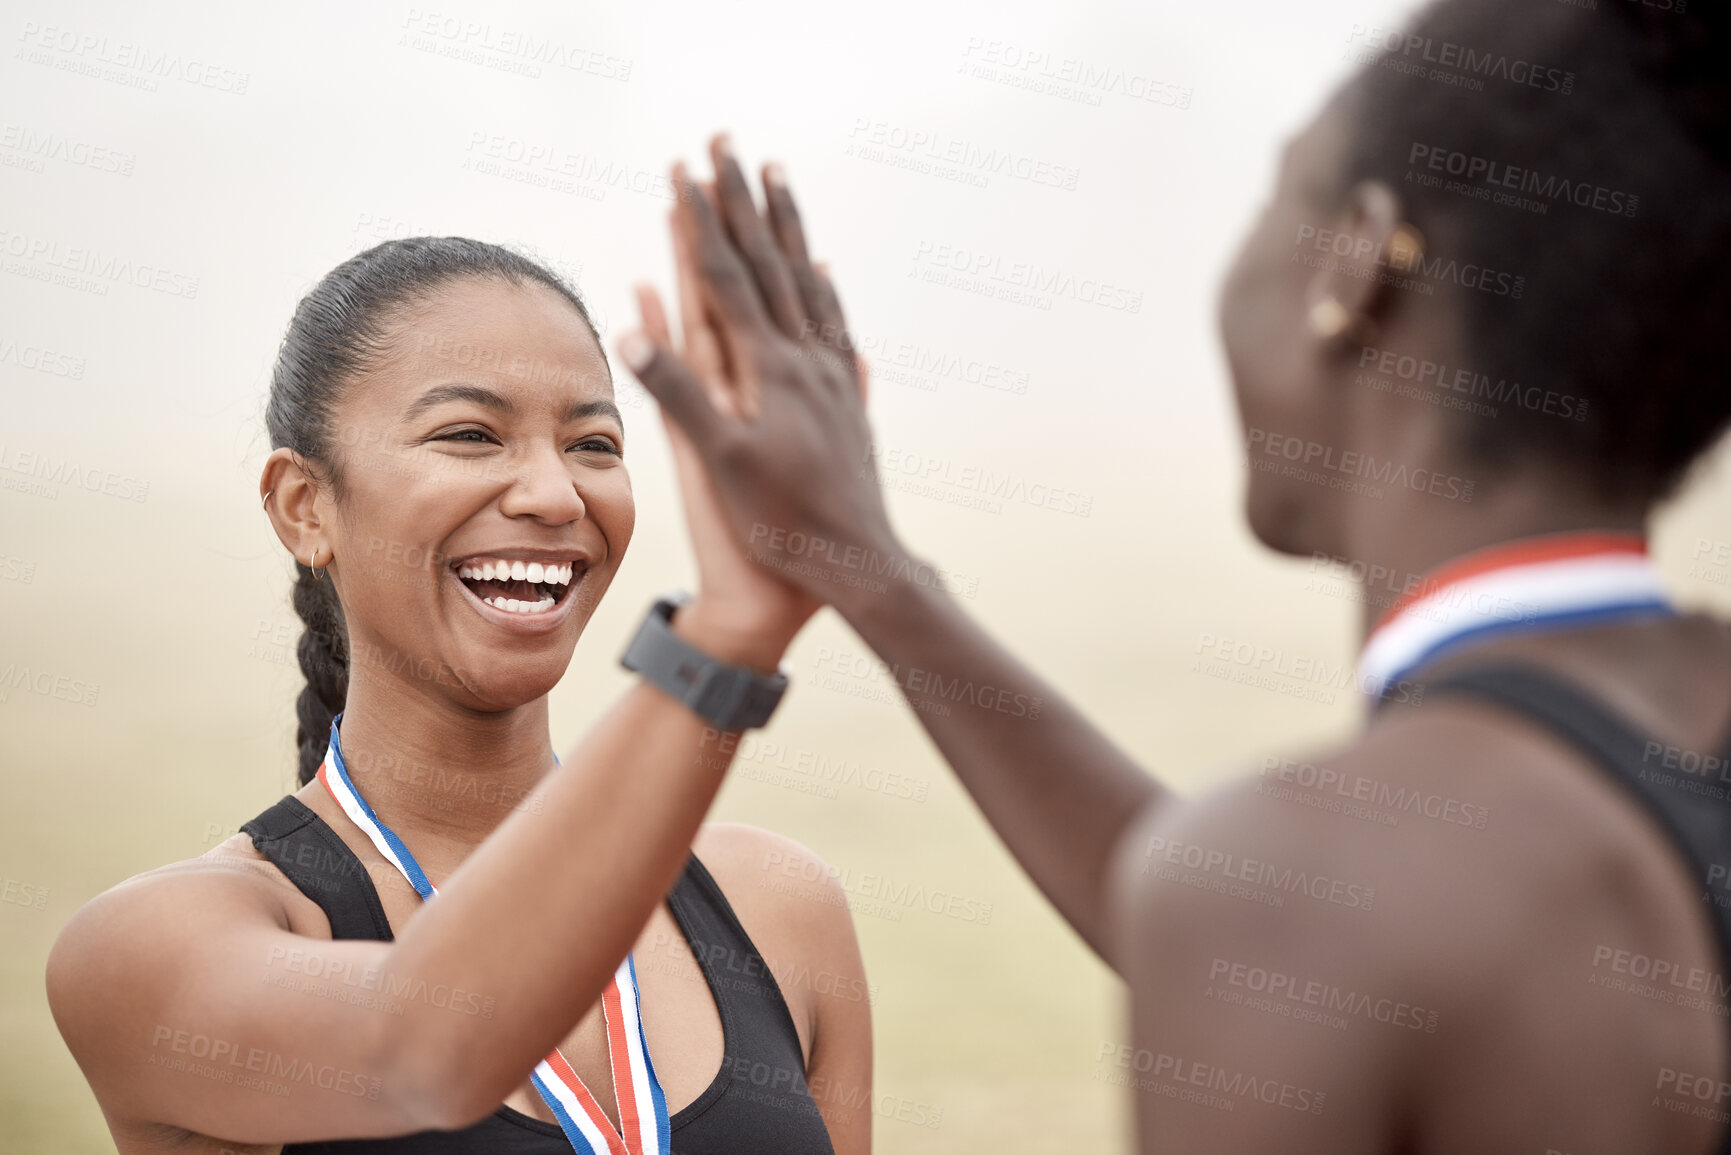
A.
x: 520, y: 587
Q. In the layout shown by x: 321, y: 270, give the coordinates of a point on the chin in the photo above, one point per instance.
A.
x: 495, y: 686
x: 1282, y: 521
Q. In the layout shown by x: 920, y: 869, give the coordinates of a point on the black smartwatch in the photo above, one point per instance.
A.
x: 727, y: 697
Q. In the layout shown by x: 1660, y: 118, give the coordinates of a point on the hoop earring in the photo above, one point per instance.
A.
x: 312, y: 564
x: 265, y: 505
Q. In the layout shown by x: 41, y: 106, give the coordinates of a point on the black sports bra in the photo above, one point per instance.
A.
x: 1691, y: 803
x: 758, y: 1101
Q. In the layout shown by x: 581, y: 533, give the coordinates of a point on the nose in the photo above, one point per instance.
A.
x: 543, y: 488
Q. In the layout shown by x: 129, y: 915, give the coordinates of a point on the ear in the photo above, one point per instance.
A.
x: 1371, y: 245
x: 291, y: 499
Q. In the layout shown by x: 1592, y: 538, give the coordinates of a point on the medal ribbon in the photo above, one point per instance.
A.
x: 1559, y: 581
x: 644, y: 1128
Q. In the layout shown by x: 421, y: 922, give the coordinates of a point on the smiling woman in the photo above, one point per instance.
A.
x: 448, y: 471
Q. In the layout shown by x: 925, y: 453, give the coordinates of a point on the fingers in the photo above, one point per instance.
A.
x: 817, y: 295
x: 733, y: 394
x: 654, y: 316
x: 670, y: 381
x: 752, y: 236
x: 729, y: 286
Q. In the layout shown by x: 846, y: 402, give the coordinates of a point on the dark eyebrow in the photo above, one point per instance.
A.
x: 487, y: 398
x: 597, y: 408
x: 440, y: 394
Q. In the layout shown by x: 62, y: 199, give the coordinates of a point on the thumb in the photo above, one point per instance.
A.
x: 672, y: 383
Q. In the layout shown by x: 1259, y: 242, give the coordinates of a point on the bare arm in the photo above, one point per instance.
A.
x: 1056, y: 790
x: 1241, y: 992
x: 177, y: 992
x: 793, y: 467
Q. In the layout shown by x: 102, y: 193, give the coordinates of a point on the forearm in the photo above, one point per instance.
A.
x: 1054, y: 787
x: 538, y: 918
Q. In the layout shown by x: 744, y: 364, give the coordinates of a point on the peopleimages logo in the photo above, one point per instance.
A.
x: 1421, y: 372
x: 1357, y: 466
x: 46, y: 473
x: 888, y: 142
x: 129, y: 63
x: 1495, y: 175
x: 44, y: 256
x: 1459, y: 64
x: 1020, y: 281
x: 1066, y: 77
x: 38, y: 147
x: 506, y: 49
x: 1329, y: 248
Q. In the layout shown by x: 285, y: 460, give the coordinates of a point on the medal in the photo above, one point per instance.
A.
x: 644, y: 1128
x: 1559, y: 581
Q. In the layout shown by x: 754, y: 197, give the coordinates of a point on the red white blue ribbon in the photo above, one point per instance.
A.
x: 1560, y: 581
x: 644, y: 1127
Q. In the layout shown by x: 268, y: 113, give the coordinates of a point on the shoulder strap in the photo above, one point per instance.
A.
x: 1691, y: 804
x: 1558, y: 707
x: 1691, y: 790
x: 746, y: 991
x: 323, y: 867
x: 771, y: 1108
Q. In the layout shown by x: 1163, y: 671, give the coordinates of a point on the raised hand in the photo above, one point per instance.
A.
x: 770, y: 395
x: 773, y: 409
x: 733, y: 591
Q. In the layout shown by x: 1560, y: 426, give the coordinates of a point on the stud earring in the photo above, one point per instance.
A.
x: 1329, y: 319
x: 1332, y: 321
x: 1405, y: 248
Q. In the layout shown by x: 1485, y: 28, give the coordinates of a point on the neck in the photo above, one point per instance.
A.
x: 440, y: 775
x: 1410, y: 534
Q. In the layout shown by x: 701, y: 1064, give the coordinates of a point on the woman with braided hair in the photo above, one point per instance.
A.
x: 448, y: 940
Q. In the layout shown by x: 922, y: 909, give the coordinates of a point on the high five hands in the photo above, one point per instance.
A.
x: 767, y: 398
x: 767, y: 393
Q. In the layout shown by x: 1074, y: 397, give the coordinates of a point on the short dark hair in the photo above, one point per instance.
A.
x: 1628, y: 311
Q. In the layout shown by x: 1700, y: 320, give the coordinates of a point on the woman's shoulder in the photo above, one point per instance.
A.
x: 158, y: 916
x: 793, y: 906
x: 232, y: 877
x: 739, y: 845
x: 781, y: 890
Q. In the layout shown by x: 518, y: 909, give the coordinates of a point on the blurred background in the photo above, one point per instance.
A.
x: 172, y: 182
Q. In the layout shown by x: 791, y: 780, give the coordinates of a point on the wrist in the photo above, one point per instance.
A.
x: 911, y: 589
x: 733, y: 637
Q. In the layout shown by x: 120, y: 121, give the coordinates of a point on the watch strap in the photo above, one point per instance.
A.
x: 727, y: 697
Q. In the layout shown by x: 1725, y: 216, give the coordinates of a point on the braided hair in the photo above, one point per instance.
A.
x: 1627, y: 106
x: 341, y: 330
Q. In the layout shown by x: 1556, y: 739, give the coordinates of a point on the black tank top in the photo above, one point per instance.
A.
x: 1687, y: 792
x: 758, y: 1101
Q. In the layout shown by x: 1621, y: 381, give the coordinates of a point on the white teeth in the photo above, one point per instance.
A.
x: 544, y: 573
x: 512, y: 605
